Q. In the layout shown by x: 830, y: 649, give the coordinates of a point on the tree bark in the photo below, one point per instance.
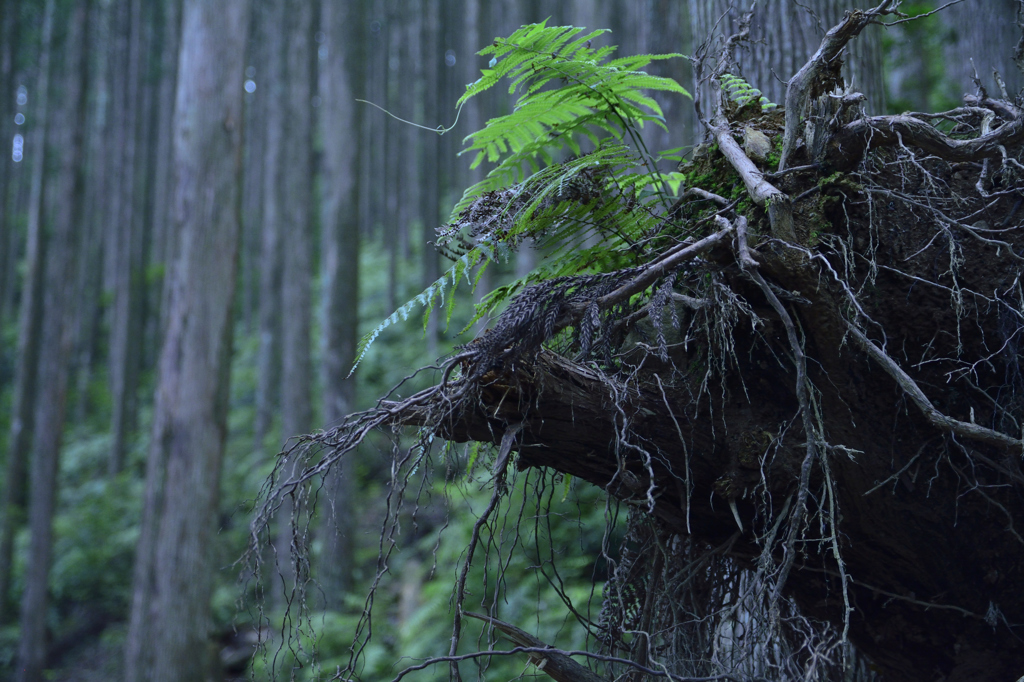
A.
x: 167, y: 638
x: 252, y: 175
x: 165, y: 237
x: 8, y: 48
x: 55, y: 347
x: 30, y: 318
x: 394, y: 234
x: 297, y: 183
x: 980, y: 37
x: 126, y: 234
x: 154, y: 143
x: 783, y: 35
x: 432, y: 63
x: 91, y: 265
x: 342, y: 24
x: 268, y: 359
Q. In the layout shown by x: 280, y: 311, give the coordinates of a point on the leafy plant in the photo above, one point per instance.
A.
x: 570, y: 95
x: 742, y: 92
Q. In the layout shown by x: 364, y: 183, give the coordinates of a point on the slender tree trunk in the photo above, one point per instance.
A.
x: 412, y: 88
x: 297, y: 161
x: 8, y: 32
x: 165, y: 237
x: 55, y: 348
x: 392, y: 231
x: 29, y: 324
x: 252, y: 171
x: 470, y: 69
x: 268, y: 360
x: 167, y: 638
x: 145, y: 344
x: 297, y: 182
x: 90, y: 287
x: 432, y: 63
x: 342, y: 24
x: 124, y: 332
x: 8, y: 266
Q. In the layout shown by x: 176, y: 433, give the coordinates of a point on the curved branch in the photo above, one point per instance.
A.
x: 1003, y: 109
x: 938, y: 419
x: 847, y: 148
x: 554, y: 663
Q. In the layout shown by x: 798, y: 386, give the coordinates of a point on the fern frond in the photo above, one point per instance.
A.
x: 425, y: 299
x: 742, y: 92
x: 588, y: 213
x: 596, y: 96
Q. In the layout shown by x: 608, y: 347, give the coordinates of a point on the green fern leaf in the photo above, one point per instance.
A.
x: 567, y: 93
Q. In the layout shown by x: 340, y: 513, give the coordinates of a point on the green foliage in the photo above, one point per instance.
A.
x: 594, y: 96
x: 914, y: 56
x: 742, y: 92
x: 95, y: 544
x: 8, y: 647
x: 392, y: 357
x: 570, y: 95
x: 524, y: 570
x: 529, y: 569
x: 96, y: 528
x: 427, y: 299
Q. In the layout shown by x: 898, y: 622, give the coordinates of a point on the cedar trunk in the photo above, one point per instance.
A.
x: 272, y: 103
x: 167, y: 639
x: 30, y: 316
x: 338, y: 77
x: 55, y: 347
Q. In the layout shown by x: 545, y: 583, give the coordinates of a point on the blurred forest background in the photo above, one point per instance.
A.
x: 115, y: 562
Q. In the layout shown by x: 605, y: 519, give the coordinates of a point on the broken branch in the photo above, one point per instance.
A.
x: 799, y: 89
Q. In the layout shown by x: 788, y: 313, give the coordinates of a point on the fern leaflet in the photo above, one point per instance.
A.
x: 568, y: 92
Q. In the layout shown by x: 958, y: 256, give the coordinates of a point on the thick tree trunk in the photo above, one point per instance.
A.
x: 55, y: 346
x: 167, y: 639
x: 268, y: 362
x: 342, y: 25
x: 980, y: 37
x: 30, y: 318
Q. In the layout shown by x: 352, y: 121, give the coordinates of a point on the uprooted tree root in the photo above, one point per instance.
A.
x: 812, y: 409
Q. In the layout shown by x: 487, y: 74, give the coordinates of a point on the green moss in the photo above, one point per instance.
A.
x: 775, y: 155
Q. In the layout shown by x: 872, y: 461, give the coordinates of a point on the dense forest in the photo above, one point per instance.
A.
x: 205, y: 206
